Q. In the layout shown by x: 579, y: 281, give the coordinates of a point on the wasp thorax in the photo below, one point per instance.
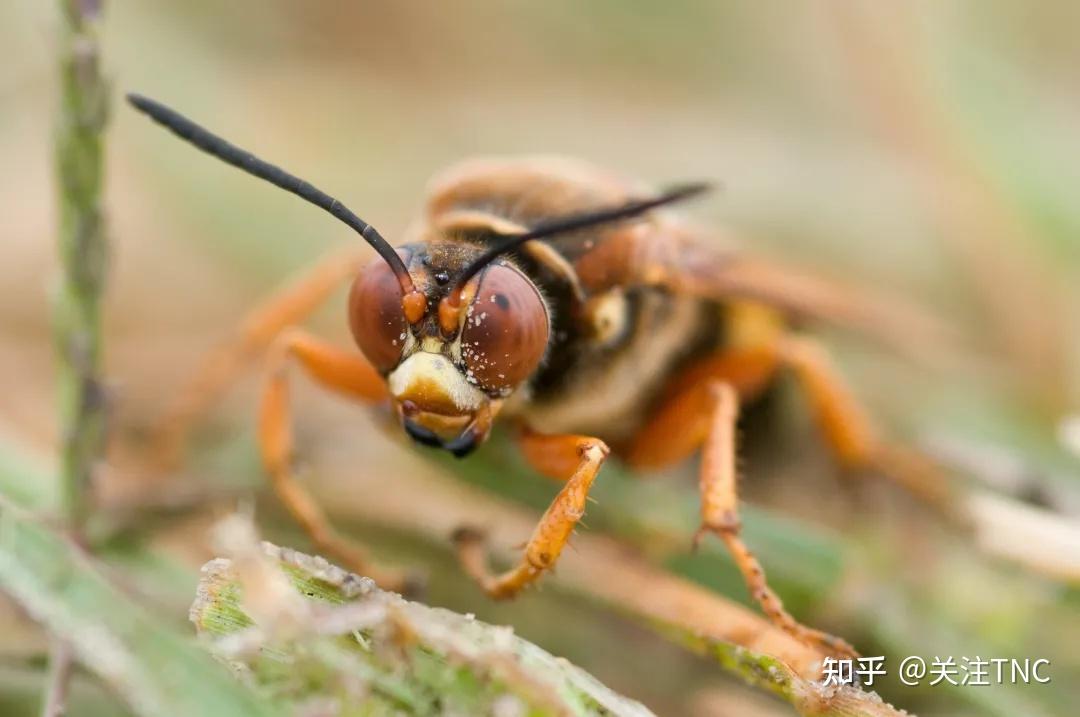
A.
x: 505, y: 332
x: 376, y: 317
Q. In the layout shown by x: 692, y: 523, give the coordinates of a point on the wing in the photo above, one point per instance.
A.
x: 674, y: 256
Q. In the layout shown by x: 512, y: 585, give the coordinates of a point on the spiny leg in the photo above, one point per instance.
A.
x: 720, y: 516
x: 345, y: 373
x: 850, y: 433
x: 288, y: 306
x: 575, y: 459
x: 704, y: 415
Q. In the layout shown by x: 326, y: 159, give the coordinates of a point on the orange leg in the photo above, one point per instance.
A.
x: 346, y: 373
x: 289, y: 306
x: 705, y: 416
x: 850, y: 433
x: 681, y: 424
x: 575, y: 459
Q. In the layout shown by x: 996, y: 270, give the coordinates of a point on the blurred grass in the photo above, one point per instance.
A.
x: 152, y: 666
x: 21, y: 688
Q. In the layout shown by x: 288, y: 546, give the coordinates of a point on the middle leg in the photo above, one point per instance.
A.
x: 288, y: 306
x: 705, y: 415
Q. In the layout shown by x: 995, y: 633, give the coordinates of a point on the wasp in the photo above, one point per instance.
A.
x: 570, y: 303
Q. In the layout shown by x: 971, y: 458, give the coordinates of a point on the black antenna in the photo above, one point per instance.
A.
x: 212, y: 144
x: 575, y: 222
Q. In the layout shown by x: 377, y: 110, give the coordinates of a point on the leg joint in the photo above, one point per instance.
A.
x: 593, y: 449
x: 727, y: 522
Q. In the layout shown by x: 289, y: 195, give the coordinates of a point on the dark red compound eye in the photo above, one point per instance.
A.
x: 376, y: 317
x: 506, y: 329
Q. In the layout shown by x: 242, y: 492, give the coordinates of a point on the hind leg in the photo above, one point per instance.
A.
x: 850, y: 434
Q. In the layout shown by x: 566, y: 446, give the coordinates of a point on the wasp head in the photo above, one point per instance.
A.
x: 450, y: 365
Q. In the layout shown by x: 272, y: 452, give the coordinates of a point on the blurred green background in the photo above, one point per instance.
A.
x: 926, y: 149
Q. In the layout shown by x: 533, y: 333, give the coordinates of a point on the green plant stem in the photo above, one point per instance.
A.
x: 82, y: 252
x: 83, y: 255
x: 60, y: 664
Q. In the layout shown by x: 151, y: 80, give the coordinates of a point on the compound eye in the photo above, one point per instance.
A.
x: 506, y: 331
x: 376, y: 318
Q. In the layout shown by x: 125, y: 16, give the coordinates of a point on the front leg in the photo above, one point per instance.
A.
x: 575, y: 459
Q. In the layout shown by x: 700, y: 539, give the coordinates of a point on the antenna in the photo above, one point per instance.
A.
x: 210, y: 143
